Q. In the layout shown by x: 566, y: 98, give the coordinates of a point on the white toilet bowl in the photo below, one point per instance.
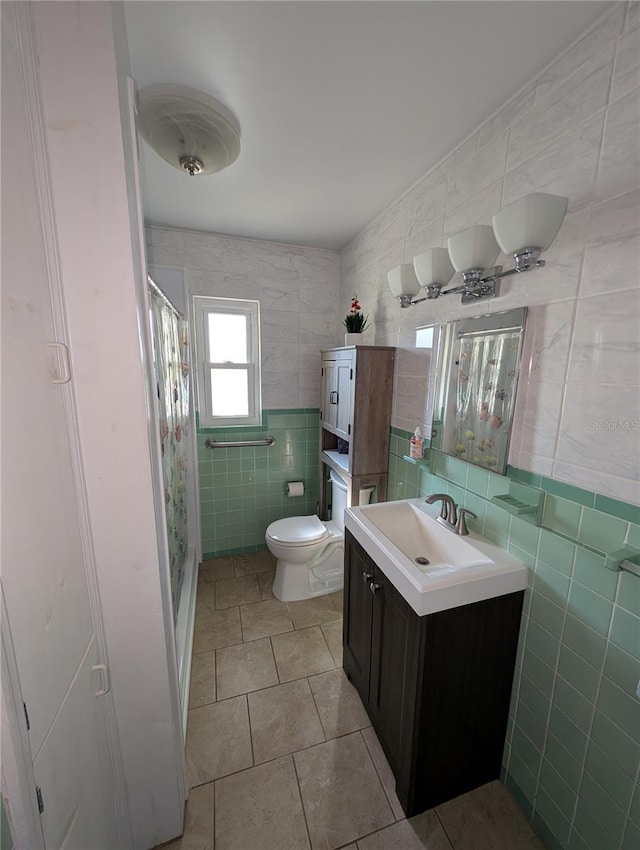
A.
x: 310, y: 552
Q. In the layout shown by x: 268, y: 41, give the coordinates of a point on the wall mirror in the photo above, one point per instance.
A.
x: 472, y: 385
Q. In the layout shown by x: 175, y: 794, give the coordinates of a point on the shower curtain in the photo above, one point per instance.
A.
x: 171, y: 366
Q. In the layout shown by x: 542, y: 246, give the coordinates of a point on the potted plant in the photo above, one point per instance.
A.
x: 355, y: 323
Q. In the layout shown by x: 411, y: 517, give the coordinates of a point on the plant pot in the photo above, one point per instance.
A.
x: 353, y: 339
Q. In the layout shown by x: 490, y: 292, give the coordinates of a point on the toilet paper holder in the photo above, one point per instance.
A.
x: 294, y: 488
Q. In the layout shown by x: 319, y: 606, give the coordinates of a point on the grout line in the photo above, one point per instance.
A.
x: 444, y: 828
x: 379, y: 776
x: 304, y: 811
x: 253, y: 754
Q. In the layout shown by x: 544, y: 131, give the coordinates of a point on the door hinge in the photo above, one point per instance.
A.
x: 26, y: 715
x: 348, y: 429
x: 322, y: 373
x: 351, y: 374
x: 40, y: 801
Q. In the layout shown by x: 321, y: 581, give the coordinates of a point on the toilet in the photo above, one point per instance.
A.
x: 310, y: 552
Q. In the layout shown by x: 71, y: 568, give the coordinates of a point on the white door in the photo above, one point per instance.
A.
x: 44, y: 541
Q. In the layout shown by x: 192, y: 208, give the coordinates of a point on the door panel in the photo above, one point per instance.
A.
x: 329, y: 384
x: 357, y: 621
x: 344, y: 384
x: 394, y: 663
x: 43, y: 558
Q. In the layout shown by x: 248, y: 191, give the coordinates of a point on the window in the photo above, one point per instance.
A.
x: 227, y: 333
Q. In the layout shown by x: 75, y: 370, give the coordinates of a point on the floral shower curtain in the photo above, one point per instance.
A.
x: 485, y: 388
x: 171, y: 366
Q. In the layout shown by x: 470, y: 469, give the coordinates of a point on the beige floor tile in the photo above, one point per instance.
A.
x: 253, y: 563
x: 218, y: 740
x: 262, y: 619
x: 205, y: 600
x: 265, y: 582
x: 301, y: 653
x: 341, y: 793
x: 215, y: 569
x: 383, y: 770
x: 283, y: 719
x: 333, y: 635
x: 339, y: 706
x: 338, y: 600
x: 198, y: 823
x: 202, y: 689
x: 312, y: 612
x: 423, y: 832
x: 236, y: 591
x: 260, y: 809
x: 221, y: 628
x: 489, y: 811
x: 243, y: 668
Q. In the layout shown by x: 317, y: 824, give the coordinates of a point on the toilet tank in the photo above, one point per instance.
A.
x: 339, y: 499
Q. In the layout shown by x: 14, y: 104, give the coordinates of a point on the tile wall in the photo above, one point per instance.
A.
x: 574, y: 131
x: 572, y: 756
x: 573, y: 751
x: 242, y: 490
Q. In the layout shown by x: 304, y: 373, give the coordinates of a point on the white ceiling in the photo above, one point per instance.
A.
x: 342, y: 105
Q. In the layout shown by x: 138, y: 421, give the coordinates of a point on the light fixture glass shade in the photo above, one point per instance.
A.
x: 474, y: 248
x: 531, y: 222
x: 403, y: 281
x: 433, y: 267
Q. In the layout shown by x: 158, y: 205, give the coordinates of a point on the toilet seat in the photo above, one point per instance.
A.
x: 298, y: 531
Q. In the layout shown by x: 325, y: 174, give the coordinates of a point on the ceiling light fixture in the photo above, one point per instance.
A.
x: 523, y: 229
x: 189, y: 129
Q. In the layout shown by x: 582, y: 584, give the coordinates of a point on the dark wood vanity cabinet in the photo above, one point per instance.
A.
x: 436, y: 687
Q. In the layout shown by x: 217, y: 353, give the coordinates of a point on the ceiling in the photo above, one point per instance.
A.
x: 342, y: 105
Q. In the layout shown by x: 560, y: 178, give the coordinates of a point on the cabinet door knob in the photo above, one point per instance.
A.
x: 366, y: 576
x: 374, y: 588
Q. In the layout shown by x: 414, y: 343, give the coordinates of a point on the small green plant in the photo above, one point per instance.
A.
x: 355, y: 321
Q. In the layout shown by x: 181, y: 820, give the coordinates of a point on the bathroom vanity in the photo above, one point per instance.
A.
x: 355, y: 413
x: 436, y: 681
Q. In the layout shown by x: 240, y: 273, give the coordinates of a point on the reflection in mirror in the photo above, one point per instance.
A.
x: 472, y: 385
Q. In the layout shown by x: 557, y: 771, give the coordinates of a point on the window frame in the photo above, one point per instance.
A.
x: 203, y: 306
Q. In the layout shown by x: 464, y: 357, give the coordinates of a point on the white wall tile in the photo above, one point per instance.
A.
x: 619, y: 168
x: 293, y: 284
x: 556, y: 143
x: 477, y: 171
x: 606, y: 340
x: 603, y: 32
x: 597, y: 430
x: 626, y: 73
x: 612, y: 254
x: 566, y: 167
x: 564, y: 108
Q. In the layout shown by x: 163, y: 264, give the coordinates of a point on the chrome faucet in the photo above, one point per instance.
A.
x: 448, y: 511
x: 451, y: 516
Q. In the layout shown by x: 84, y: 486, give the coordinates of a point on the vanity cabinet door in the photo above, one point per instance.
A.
x: 396, y: 632
x: 358, y: 605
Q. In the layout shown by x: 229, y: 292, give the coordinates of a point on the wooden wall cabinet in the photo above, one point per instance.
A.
x: 436, y: 687
x: 355, y: 398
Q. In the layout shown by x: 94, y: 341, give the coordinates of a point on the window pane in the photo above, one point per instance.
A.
x: 227, y: 338
x: 230, y: 392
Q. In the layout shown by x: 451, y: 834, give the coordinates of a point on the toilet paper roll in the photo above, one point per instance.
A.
x: 295, y: 488
x: 364, y: 495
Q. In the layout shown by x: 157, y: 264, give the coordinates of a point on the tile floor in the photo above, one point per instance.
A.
x: 281, y: 754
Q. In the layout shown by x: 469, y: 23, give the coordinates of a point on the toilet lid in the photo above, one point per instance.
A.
x: 297, y: 529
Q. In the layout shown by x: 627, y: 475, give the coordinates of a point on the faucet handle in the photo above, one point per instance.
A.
x: 461, y: 528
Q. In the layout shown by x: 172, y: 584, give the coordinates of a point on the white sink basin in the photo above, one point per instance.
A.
x: 421, y: 538
x: 460, y: 570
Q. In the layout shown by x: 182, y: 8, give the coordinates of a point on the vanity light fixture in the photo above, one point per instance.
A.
x: 404, y: 284
x: 523, y: 229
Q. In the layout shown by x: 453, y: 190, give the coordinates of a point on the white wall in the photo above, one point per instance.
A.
x: 297, y: 289
x: 572, y: 131
x: 91, y: 159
